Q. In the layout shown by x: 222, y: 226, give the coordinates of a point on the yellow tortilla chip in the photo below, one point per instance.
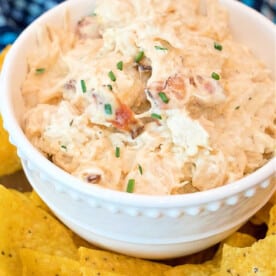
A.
x: 36, y: 263
x: 22, y: 225
x: 9, y: 161
x: 262, y: 216
x: 196, y: 258
x: 3, y: 54
x: 238, y: 240
x: 211, y: 267
x: 259, y: 259
x: 113, y: 262
x: 272, y: 222
x: 206, y: 269
x: 80, y: 242
x: 37, y: 201
x: 87, y: 271
x: 273, y: 198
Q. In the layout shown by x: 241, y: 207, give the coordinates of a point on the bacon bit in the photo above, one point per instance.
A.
x: 207, y: 84
x: 136, y: 131
x: 144, y: 68
x: 209, y: 87
x: 70, y: 85
x: 93, y: 178
x: 192, y: 81
x: 177, y: 85
x: 124, y: 119
x: 174, y: 88
x: 87, y: 27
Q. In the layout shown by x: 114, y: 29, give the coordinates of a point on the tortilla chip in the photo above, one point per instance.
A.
x: 113, y: 262
x: 3, y: 54
x: 262, y: 216
x: 238, y: 240
x: 36, y: 263
x: 272, y: 222
x: 80, y: 242
x: 255, y: 260
x: 211, y: 267
x: 37, y: 201
x: 25, y: 226
x: 9, y: 161
x: 88, y: 271
x: 192, y: 270
x: 273, y: 198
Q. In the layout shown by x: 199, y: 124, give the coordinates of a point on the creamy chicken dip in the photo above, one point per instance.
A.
x: 151, y: 97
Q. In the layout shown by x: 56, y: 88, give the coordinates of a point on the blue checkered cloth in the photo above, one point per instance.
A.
x: 15, y: 15
x: 267, y: 7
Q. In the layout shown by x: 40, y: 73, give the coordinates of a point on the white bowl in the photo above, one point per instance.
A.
x: 144, y: 226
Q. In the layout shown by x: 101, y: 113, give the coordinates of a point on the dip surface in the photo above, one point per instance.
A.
x: 151, y: 97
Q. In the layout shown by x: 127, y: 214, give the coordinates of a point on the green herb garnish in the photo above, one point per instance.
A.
x: 163, y: 97
x: 112, y: 76
x: 215, y: 76
x: 117, y: 152
x: 160, y: 48
x: 130, y: 185
x: 140, y: 169
x: 83, y: 86
x: 108, y: 109
x: 110, y: 87
x: 40, y: 70
x: 120, y: 65
x: 139, y: 56
x: 63, y: 147
x: 156, y: 116
x: 218, y: 46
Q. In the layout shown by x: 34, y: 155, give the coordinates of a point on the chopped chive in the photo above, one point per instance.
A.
x: 218, y: 46
x: 237, y: 107
x: 117, y: 152
x: 71, y: 122
x: 40, y: 70
x: 93, y: 14
x: 139, y: 56
x: 140, y: 169
x: 83, y: 86
x: 163, y: 97
x: 160, y: 48
x: 63, y: 147
x: 120, y: 65
x: 110, y: 87
x: 130, y: 185
x: 156, y: 116
x: 112, y: 76
x: 215, y: 76
x: 108, y: 109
